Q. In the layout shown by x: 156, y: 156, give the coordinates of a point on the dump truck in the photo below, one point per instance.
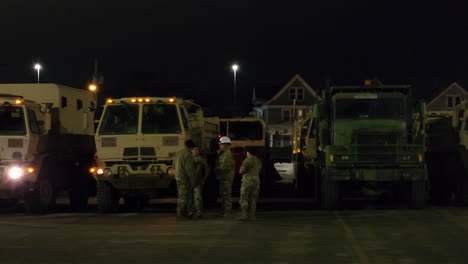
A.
x: 447, y: 155
x: 47, y: 144
x: 136, y: 141
x: 362, y: 142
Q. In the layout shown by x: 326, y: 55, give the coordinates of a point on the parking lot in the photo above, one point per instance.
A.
x: 283, y: 233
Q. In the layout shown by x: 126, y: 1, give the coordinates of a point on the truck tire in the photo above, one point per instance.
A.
x: 107, y: 198
x: 42, y: 198
x: 329, y: 194
x: 418, y: 194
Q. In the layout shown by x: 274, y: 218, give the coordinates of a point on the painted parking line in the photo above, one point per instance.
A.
x: 358, y: 250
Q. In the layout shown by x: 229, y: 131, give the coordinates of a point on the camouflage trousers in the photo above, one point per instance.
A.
x: 225, y: 190
x: 248, y: 197
x: 196, y: 208
x: 184, y: 198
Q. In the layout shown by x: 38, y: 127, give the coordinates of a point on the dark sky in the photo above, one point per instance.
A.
x: 186, y: 47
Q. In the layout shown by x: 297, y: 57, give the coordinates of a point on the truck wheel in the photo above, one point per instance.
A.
x: 42, y: 199
x: 107, y: 198
x: 418, y: 194
x: 329, y: 194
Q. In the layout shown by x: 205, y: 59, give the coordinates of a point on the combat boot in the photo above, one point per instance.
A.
x: 252, y: 217
x: 243, y: 216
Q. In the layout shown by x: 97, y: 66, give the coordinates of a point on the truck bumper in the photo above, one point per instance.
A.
x: 124, y: 177
x: 12, y: 187
x: 376, y: 174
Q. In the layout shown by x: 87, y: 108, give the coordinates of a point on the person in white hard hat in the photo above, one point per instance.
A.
x: 225, y: 174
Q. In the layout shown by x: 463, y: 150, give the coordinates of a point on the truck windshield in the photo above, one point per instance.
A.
x: 381, y: 108
x: 12, y: 120
x: 120, y: 119
x: 160, y: 119
x: 242, y: 130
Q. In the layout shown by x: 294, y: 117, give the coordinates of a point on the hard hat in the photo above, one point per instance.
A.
x: 224, y: 140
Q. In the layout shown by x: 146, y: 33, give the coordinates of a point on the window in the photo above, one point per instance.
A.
x: 453, y: 100
x: 292, y: 94
x: 64, y: 102
x: 299, y: 94
x: 457, y: 100
x: 286, y: 116
x: 33, y: 124
x: 79, y: 104
x: 296, y: 93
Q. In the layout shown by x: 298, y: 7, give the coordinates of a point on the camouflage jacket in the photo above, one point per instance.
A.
x: 250, y: 169
x: 184, y: 166
x: 201, y: 170
x: 225, y: 166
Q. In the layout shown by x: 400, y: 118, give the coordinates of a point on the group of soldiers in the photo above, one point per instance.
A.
x: 192, y: 170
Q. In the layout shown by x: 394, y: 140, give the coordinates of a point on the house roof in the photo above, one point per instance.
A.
x: 296, y: 77
x: 453, y: 85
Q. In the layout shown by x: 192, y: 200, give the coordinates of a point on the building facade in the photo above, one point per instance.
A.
x: 295, y: 98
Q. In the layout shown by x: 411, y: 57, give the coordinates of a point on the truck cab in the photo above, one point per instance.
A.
x: 368, y: 140
x: 22, y: 125
x: 136, y: 142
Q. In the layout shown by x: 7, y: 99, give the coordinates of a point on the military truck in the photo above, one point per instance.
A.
x: 47, y: 145
x: 249, y: 132
x: 365, y: 141
x: 136, y: 141
x: 447, y: 156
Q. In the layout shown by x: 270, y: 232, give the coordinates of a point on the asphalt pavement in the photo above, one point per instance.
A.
x: 282, y: 234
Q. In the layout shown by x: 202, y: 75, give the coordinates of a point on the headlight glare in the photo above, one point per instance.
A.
x: 15, y: 173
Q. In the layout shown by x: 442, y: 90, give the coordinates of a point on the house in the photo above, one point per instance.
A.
x: 448, y: 98
x: 293, y: 99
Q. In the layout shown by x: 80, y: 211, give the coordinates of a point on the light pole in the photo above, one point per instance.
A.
x: 235, y: 67
x: 38, y: 68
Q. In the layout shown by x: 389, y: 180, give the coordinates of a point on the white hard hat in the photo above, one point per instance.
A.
x: 224, y: 140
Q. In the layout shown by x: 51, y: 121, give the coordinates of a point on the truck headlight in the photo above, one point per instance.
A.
x: 15, y: 173
x: 170, y: 171
x: 107, y: 172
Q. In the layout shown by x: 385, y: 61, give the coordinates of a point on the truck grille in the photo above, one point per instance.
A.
x: 376, y: 147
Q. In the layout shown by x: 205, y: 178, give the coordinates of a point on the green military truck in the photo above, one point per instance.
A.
x: 364, y: 140
x: 447, y: 155
x: 46, y: 140
x: 136, y: 142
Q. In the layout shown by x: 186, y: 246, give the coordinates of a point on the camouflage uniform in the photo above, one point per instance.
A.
x: 185, y: 176
x: 250, y: 186
x: 202, y: 172
x: 225, y: 175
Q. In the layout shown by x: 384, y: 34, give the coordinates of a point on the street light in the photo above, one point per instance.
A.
x: 38, y: 68
x: 92, y: 87
x: 235, y: 67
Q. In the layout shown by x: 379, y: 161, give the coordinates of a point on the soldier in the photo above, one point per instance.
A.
x: 250, y: 186
x: 225, y: 174
x: 202, y: 172
x: 185, y: 176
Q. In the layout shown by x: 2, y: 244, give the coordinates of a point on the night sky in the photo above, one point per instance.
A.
x: 185, y: 48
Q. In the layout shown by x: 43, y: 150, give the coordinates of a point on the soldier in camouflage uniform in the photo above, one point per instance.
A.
x: 185, y: 176
x: 201, y: 172
x: 225, y: 174
x: 250, y: 186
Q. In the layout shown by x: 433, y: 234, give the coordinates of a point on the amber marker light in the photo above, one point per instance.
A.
x: 30, y: 170
x: 133, y: 100
x: 140, y: 100
x: 92, y: 170
x: 171, y: 100
x: 110, y: 101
